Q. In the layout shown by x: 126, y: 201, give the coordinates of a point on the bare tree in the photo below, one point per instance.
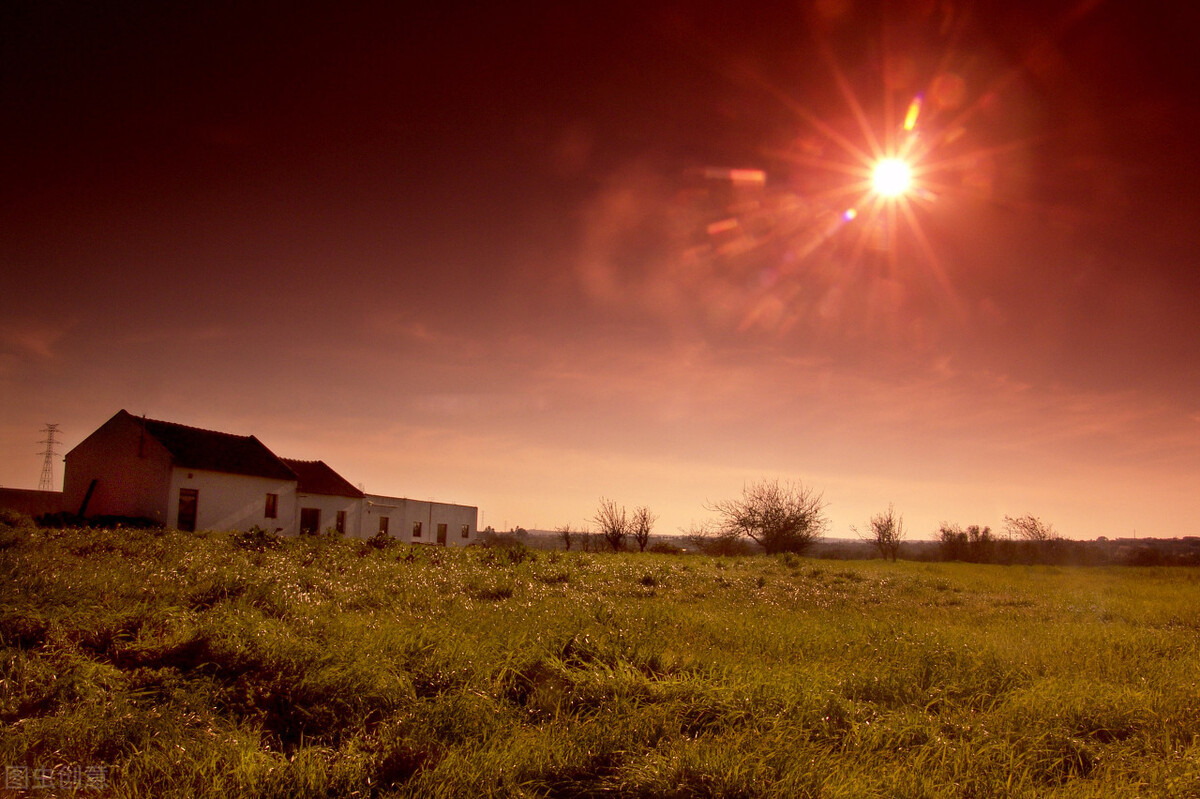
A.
x: 781, y: 517
x: 613, y: 523
x: 1029, y: 528
x: 640, y: 526
x: 711, y: 541
x: 565, y: 533
x: 885, y: 532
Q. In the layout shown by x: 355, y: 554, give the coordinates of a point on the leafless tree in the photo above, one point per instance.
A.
x: 698, y: 536
x: 640, y: 526
x: 613, y: 523
x: 707, y: 539
x: 565, y: 533
x: 885, y: 532
x: 1029, y: 528
x: 781, y: 517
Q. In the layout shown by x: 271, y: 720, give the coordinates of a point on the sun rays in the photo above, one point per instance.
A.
x: 891, y: 160
x: 853, y: 222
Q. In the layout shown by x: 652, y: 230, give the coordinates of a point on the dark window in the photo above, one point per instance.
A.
x: 416, y: 529
x: 466, y: 531
x: 189, y: 499
x: 383, y: 525
x: 441, y: 538
x: 272, y: 510
x: 341, y: 522
x: 310, y: 521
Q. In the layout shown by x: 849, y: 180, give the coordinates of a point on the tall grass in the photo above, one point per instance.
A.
x: 197, y: 665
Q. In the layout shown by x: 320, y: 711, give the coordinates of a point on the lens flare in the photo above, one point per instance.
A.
x: 914, y: 110
x: 891, y: 177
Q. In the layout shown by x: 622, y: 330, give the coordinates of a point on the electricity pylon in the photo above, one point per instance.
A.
x: 47, y: 481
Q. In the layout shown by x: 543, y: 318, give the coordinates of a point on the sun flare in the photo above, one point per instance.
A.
x: 891, y: 177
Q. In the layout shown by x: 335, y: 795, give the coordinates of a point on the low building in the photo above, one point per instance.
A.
x: 31, y: 503
x: 420, y: 521
x: 179, y: 476
x: 194, y: 479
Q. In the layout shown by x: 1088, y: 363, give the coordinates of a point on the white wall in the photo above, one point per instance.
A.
x: 402, y: 513
x: 329, y: 507
x: 234, y: 501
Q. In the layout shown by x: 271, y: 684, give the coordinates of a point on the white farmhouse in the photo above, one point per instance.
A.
x: 178, y: 476
x: 193, y: 479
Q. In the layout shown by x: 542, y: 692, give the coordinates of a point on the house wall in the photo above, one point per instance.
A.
x: 234, y: 501
x: 402, y: 513
x: 132, y: 472
x: 329, y: 506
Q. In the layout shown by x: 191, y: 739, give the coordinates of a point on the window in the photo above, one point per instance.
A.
x: 310, y: 521
x: 189, y: 498
x: 416, y: 529
x: 272, y: 510
x: 341, y: 522
x: 383, y: 525
x: 466, y: 531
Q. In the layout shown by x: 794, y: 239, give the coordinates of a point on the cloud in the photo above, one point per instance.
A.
x: 727, y: 260
x: 201, y: 334
x: 33, y: 337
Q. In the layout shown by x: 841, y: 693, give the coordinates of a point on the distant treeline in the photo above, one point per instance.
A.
x: 972, y: 545
x: 969, y: 549
x: 1059, y: 552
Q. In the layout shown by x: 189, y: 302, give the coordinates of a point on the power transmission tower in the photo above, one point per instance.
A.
x: 47, y: 481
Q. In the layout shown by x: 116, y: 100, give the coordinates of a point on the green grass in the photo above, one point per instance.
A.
x: 211, y: 665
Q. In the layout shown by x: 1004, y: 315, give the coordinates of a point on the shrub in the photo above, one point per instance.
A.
x: 380, y: 540
x: 256, y: 539
x: 12, y: 518
x: 13, y: 526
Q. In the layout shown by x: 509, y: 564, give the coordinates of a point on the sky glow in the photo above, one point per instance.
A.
x: 529, y: 256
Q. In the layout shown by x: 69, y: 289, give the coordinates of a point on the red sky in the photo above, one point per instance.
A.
x: 485, y: 254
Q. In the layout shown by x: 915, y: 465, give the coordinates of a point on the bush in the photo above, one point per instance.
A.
x: 511, y: 554
x: 380, y: 540
x: 663, y: 548
x: 12, y: 518
x: 256, y: 539
x: 59, y: 520
x: 13, y: 526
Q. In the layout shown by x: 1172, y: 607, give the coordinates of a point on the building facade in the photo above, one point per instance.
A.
x: 419, y: 521
x: 325, y: 501
x: 193, y: 479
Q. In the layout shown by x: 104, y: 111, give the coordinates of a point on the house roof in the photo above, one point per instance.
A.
x: 316, y: 477
x: 193, y: 448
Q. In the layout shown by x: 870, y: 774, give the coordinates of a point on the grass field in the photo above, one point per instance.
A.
x: 212, y: 665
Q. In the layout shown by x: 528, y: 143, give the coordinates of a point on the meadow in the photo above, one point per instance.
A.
x: 218, y: 664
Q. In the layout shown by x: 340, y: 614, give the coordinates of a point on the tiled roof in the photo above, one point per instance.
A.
x: 193, y: 448
x: 317, y: 478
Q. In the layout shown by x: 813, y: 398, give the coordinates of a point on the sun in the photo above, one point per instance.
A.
x: 891, y: 177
